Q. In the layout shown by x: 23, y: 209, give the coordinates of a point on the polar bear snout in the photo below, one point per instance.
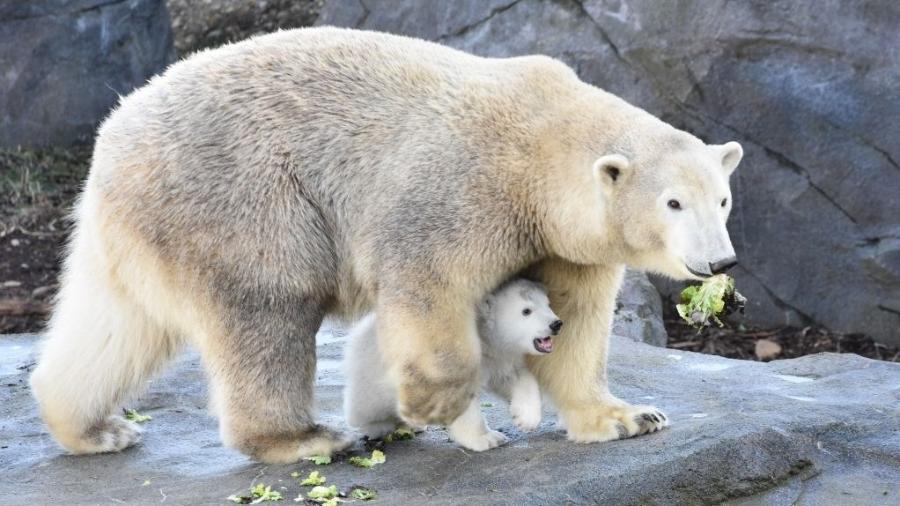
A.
x: 720, y: 266
x: 555, y: 326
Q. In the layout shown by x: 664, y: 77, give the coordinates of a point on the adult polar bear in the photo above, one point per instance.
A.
x: 250, y: 190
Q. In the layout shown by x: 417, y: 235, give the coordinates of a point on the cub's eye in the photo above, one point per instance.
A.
x: 724, y: 202
x: 526, y: 311
x: 674, y: 204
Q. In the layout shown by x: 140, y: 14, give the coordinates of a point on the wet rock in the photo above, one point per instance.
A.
x: 66, y: 62
x: 808, y: 87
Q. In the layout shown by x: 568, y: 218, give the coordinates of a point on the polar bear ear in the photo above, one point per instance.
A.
x: 731, y: 153
x: 611, y: 169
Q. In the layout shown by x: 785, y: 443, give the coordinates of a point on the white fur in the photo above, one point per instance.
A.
x: 507, y: 336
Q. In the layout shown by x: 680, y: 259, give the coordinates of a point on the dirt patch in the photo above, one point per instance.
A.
x: 738, y: 341
x: 37, y: 189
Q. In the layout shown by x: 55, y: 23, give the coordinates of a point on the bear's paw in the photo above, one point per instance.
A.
x: 597, y: 423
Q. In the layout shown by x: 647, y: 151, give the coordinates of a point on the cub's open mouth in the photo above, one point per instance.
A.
x: 543, y: 344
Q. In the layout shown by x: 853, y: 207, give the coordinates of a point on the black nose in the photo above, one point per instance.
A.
x: 555, y: 326
x: 722, y: 265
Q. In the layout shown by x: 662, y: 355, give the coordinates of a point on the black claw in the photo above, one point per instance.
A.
x: 647, y: 417
x: 662, y: 416
x: 655, y: 419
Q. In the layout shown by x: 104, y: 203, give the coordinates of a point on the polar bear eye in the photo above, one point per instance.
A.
x: 526, y: 312
x: 674, y: 204
x: 724, y: 202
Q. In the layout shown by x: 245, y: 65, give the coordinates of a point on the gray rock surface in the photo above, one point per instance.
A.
x: 818, y: 430
x: 199, y: 24
x: 64, y: 63
x: 809, y: 87
x: 639, y: 312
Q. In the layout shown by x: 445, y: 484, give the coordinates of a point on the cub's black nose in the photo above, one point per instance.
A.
x: 555, y: 326
x: 722, y: 265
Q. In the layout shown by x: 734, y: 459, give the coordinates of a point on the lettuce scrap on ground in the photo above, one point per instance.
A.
x: 313, y: 479
x: 363, y: 494
x: 258, y: 493
x: 705, y: 303
x: 321, y: 493
x: 133, y: 416
x: 400, y: 434
x: 368, y: 462
x: 319, y: 460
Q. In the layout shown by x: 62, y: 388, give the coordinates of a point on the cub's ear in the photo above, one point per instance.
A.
x: 731, y: 153
x: 611, y: 169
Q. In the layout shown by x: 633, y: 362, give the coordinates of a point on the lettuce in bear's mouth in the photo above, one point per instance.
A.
x: 543, y: 344
x: 701, y: 305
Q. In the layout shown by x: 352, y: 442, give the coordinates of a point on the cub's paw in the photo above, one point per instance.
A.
x: 479, y: 442
x: 424, y: 400
x: 526, y: 416
x: 112, y: 434
x: 603, y: 422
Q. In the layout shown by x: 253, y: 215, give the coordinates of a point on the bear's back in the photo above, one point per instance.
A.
x: 338, y: 75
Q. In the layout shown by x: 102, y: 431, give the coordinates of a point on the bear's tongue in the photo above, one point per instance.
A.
x: 544, y: 344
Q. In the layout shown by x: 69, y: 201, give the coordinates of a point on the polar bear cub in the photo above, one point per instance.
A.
x: 513, y: 321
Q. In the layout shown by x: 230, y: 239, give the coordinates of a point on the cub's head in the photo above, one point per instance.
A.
x: 668, y: 208
x: 520, y: 318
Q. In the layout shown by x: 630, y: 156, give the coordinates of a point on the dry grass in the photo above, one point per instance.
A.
x: 37, y: 188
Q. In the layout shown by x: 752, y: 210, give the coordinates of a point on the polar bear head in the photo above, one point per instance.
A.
x: 667, y: 206
x: 518, y: 318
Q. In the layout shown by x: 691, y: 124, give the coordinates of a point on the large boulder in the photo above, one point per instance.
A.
x: 817, y: 430
x: 65, y: 62
x: 639, y: 313
x: 809, y: 87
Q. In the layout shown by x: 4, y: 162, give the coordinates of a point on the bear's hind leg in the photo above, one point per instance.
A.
x: 262, y: 363
x: 435, y: 352
x: 100, y: 348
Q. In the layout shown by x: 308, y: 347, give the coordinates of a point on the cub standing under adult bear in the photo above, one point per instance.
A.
x: 244, y: 194
x: 512, y: 322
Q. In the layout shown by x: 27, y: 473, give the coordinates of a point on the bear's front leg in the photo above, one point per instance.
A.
x: 434, y: 352
x: 471, y: 431
x: 525, y: 402
x: 574, y: 375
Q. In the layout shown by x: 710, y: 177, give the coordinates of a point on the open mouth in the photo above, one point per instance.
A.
x: 697, y: 273
x: 543, y: 344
